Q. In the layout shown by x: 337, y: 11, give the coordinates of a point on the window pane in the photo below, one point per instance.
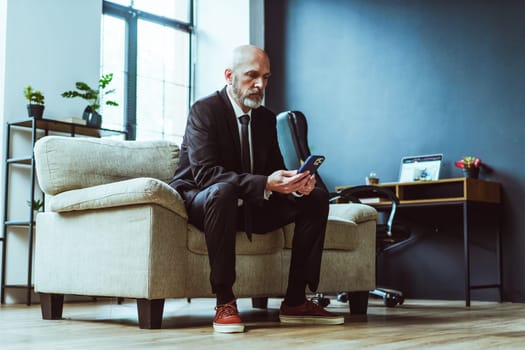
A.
x: 113, y: 61
x: 150, y: 108
x: 162, y: 81
x: 159, y: 106
x: 176, y: 111
x: 175, y: 9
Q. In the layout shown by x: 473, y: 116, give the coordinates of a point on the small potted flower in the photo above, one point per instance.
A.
x: 470, y: 166
x: 372, y: 179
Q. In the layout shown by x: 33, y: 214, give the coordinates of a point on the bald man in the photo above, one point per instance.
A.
x: 223, y: 194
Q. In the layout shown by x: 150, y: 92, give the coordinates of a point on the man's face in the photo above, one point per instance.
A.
x: 248, y: 81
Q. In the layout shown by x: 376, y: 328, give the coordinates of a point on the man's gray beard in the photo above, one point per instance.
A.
x: 251, y: 103
x: 247, y: 101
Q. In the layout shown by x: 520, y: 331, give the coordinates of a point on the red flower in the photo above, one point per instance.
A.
x: 469, y: 162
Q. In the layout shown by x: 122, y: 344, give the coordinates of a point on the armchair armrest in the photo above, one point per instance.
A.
x: 121, y: 193
x: 351, y: 195
x: 352, y: 212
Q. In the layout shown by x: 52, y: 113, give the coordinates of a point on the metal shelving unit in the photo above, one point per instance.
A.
x: 38, y: 128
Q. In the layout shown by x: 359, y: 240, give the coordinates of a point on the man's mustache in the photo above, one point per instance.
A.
x: 257, y: 92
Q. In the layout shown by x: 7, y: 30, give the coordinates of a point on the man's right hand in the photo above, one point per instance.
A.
x: 286, y: 181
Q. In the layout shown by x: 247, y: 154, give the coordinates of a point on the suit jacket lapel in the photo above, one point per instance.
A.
x: 231, y: 121
x: 258, y: 152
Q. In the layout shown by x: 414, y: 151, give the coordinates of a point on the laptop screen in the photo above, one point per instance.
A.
x: 420, y: 168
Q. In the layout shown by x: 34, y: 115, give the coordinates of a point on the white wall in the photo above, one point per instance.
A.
x: 50, y: 45
x: 3, y: 27
x: 3, y: 13
x: 220, y: 27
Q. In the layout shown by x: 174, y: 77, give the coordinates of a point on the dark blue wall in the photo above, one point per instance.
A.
x: 382, y: 79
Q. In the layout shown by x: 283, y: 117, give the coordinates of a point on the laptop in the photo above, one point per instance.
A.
x: 420, y: 168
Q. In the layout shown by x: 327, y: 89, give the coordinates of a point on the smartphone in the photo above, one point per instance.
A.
x: 311, y: 163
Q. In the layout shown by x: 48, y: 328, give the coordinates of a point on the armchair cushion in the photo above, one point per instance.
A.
x: 268, y: 243
x: 344, y: 220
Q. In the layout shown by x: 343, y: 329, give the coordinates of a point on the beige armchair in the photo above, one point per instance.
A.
x: 113, y: 227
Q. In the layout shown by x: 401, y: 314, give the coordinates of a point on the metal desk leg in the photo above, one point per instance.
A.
x: 499, y: 255
x: 466, y: 253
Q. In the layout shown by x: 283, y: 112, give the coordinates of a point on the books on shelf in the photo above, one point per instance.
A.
x: 369, y: 200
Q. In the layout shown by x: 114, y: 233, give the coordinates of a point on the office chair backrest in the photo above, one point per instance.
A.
x: 289, y: 140
x: 292, y: 134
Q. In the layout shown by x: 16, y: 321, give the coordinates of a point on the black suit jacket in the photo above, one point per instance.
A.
x: 211, y: 150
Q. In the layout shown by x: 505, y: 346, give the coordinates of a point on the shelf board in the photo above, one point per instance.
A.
x: 21, y: 286
x: 20, y: 160
x: 17, y: 223
x: 451, y: 191
x: 66, y: 127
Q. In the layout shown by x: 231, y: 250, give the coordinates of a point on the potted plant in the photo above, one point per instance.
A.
x: 470, y: 166
x: 36, y: 205
x: 93, y: 96
x: 35, y: 107
x: 372, y: 179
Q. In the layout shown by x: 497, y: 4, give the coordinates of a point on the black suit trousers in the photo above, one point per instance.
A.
x: 215, y: 211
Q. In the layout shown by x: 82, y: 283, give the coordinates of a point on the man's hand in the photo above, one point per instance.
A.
x: 288, y: 181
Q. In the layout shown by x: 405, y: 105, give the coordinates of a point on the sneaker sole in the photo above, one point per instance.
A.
x: 311, y: 320
x: 228, y: 328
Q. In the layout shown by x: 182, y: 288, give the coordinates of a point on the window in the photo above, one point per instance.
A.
x: 146, y: 45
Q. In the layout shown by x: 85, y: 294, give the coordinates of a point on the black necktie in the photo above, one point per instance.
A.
x: 246, y: 167
x: 245, y: 144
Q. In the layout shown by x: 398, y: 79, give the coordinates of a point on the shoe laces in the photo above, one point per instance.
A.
x: 226, y: 310
x: 314, y: 305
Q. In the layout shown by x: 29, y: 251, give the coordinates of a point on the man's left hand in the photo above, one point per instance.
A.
x: 308, y: 186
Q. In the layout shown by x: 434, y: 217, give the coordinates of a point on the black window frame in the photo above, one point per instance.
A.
x: 131, y: 16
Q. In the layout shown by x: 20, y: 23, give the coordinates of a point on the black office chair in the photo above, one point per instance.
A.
x: 292, y: 131
x: 388, y: 234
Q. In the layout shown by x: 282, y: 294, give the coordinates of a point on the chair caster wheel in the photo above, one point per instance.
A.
x: 342, y: 297
x: 321, y: 300
x: 391, y: 300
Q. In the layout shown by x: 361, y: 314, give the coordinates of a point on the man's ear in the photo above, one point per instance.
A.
x: 228, y: 75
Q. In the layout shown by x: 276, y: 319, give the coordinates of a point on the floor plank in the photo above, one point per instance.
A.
x: 417, y: 324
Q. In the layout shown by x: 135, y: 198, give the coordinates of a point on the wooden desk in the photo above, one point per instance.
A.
x: 462, y: 192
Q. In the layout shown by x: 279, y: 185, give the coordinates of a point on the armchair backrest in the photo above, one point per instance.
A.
x: 68, y: 163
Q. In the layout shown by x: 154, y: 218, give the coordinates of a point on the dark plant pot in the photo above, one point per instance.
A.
x: 92, y: 118
x: 35, y: 111
x: 371, y: 180
x: 471, y: 172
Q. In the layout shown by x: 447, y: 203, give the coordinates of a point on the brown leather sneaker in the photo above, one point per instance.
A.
x: 308, y: 313
x: 227, y: 319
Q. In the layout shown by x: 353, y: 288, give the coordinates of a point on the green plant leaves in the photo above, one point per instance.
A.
x: 33, y: 96
x: 91, y: 95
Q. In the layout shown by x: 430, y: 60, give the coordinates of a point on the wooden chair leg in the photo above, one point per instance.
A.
x: 150, y: 313
x: 51, y: 306
x: 260, y: 303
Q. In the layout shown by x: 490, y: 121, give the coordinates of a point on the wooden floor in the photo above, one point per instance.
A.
x: 418, y: 324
